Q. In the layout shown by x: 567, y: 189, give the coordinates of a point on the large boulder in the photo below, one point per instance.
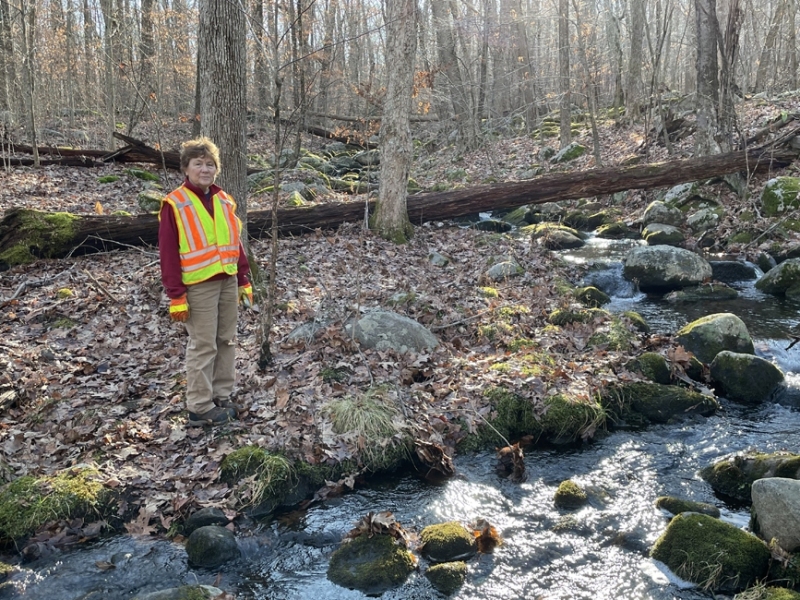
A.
x: 745, y: 377
x: 388, y: 330
x: 776, y: 511
x: 783, y: 280
x: 780, y: 195
x: 734, y: 476
x: 447, y: 542
x: 372, y: 565
x: 708, y: 336
x: 660, y: 212
x: 730, y: 271
x: 211, y: 546
x: 711, y: 553
x: 663, y: 268
x: 661, y: 234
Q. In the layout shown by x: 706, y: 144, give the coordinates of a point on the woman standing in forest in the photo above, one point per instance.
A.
x: 204, y: 271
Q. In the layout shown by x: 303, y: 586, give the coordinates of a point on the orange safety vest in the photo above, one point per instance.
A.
x: 207, y: 246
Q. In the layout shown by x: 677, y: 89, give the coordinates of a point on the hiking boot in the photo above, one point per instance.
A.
x: 216, y: 416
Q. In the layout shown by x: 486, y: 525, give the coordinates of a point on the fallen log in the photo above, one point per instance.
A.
x: 136, y: 151
x: 29, y: 234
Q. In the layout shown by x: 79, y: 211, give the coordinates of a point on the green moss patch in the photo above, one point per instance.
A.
x: 570, y: 495
x: 447, y: 542
x: 677, y: 506
x: 447, y: 577
x: 714, y: 554
x: 33, y: 234
x: 28, y: 503
x: 372, y: 565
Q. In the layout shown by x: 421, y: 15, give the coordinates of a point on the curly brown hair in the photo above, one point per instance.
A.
x: 199, y: 148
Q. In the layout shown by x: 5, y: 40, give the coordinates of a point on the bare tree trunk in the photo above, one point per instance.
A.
x: 563, y: 71
x: 613, y: 36
x: 29, y: 79
x: 729, y: 53
x: 455, y: 104
x: 7, y: 69
x: 707, y: 78
x: 769, y: 47
x: 223, y: 98
x: 634, y: 83
x: 261, y: 63
x: 489, y: 24
x: 71, y: 59
x: 109, y: 45
x: 147, y: 85
x: 391, y: 215
x: 792, y: 44
x: 585, y: 47
x: 90, y: 72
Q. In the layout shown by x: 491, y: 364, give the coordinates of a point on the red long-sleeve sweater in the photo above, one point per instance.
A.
x: 168, y: 246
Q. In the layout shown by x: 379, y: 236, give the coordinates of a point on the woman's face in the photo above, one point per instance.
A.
x: 201, y: 172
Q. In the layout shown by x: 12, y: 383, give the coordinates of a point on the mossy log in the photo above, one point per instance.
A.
x: 92, y: 233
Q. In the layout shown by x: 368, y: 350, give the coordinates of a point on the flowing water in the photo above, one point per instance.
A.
x: 598, y: 552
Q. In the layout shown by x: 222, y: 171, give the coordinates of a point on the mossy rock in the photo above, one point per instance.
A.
x: 711, y: 553
x: 734, y: 476
x: 658, y: 403
x: 447, y: 542
x: 780, y: 195
x: 264, y: 482
x: 585, y: 221
x: 372, y: 565
x: 745, y: 378
x: 617, y: 231
x: 517, y: 216
x: 567, y: 419
x: 653, y: 366
x: 708, y: 336
x: 637, y: 320
x: 706, y: 292
x: 570, y: 495
x: 545, y: 229
x: 150, y: 200
x: 569, y: 153
x: 295, y: 199
x: 677, y: 506
x: 446, y: 578
x: 741, y: 237
x: 211, y: 546
x: 782, y: 280
x: 28, y: 503
x: 591, y: 296
x: 658, y: 233
x: 108, y: 179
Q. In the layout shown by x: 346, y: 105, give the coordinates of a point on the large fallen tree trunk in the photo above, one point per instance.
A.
x: 26, y: 234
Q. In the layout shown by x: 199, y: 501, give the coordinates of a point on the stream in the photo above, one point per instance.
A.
x: 599, y: 552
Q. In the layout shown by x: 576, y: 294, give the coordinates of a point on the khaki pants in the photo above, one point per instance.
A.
x: 210, y: 352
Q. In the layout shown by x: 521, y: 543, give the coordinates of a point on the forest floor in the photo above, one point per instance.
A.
x: 91, y: 365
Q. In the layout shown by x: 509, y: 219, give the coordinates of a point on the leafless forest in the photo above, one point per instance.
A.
x: 481, y: 66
